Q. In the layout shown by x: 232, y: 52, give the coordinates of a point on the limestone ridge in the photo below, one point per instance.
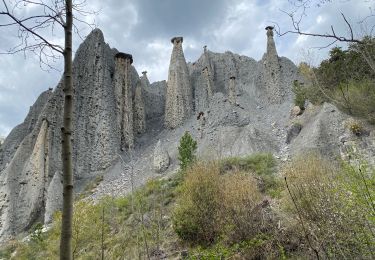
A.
x: 272, y: 71
x: 179, y: 92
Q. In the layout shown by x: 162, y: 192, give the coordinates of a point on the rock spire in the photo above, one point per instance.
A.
x: 139, y: 110
x: 272, y: 70
x: 179, y: 92
x: 123, y: 95
x: 208, y: 80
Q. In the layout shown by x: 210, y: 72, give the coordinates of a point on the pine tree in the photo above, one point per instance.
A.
x: 186, y: 150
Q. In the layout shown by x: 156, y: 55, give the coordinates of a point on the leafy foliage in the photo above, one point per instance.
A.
x: 346, y: 78
x: 299, y: 94
x: 186, y: 150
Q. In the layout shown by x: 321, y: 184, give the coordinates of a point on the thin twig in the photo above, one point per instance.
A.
x: 302, y: 224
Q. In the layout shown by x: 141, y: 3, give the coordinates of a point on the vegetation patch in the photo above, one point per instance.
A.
x: 218, y: 210
x: 334, y: 206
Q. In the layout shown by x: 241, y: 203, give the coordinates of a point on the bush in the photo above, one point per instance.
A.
x: 241, y: 207
x: 357, y: 98
x: 262, y: 165
x: 327, y: 201
x: 186, y: 150
x: 299, y: 94
x: 196, y: 216
x: 355, y: 127
x: 212, y: 205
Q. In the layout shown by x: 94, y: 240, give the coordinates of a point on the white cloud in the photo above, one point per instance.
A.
x: 320, y: 19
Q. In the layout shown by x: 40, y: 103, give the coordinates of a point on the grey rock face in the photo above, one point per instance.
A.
x: 139, y: 110
x: 53, y: 197
x: 124, y: 99
x: 161, y: 158
x: 232, y: 90
x: 154, y: 98
x: 14, y: 139
x: 31, y: 154
x: 179, y: 92
x: 293, y: 132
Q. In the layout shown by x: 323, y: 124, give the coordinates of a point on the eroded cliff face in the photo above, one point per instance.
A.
x: 112, y: 106
x: 30, y: 159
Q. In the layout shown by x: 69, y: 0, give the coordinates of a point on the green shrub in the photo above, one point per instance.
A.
x: 327, y: 201
x: 355, y: 127
x: 196, y: 216
x: 263, y: 165
x: 259, y: 163
x: 214, y: 206
x: 130, y: 223
x: 186, y: 150
x: 357, y: 98
x: 299, y: 94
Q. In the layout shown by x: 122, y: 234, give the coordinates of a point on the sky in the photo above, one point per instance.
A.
x: 144, y: 29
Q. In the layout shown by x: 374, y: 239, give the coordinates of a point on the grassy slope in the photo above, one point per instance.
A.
x: 144, y: 225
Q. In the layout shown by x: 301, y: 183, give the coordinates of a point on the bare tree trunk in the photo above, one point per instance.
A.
x: 103, y: 234
x: 67, y: 213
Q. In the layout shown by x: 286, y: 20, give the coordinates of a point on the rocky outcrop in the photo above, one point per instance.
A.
x: 154, y: 98
x: 271, y: 72
x: 23, y: 183
x: 293, y: 132
x: 53, y: 197
x: 31, y: 155
x: 161, y: 158
x: 295, y: 111
x: 14, y: 139
x: 179, y: 92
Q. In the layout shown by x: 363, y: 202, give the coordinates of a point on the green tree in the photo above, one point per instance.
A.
x: 186, y: 150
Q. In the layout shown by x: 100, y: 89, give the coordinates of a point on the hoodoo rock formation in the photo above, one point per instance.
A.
x: 179, y: 92
x: 115, y: 109
x: 139, y: 110
x: 124, y: 99
x: 272, y: 70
